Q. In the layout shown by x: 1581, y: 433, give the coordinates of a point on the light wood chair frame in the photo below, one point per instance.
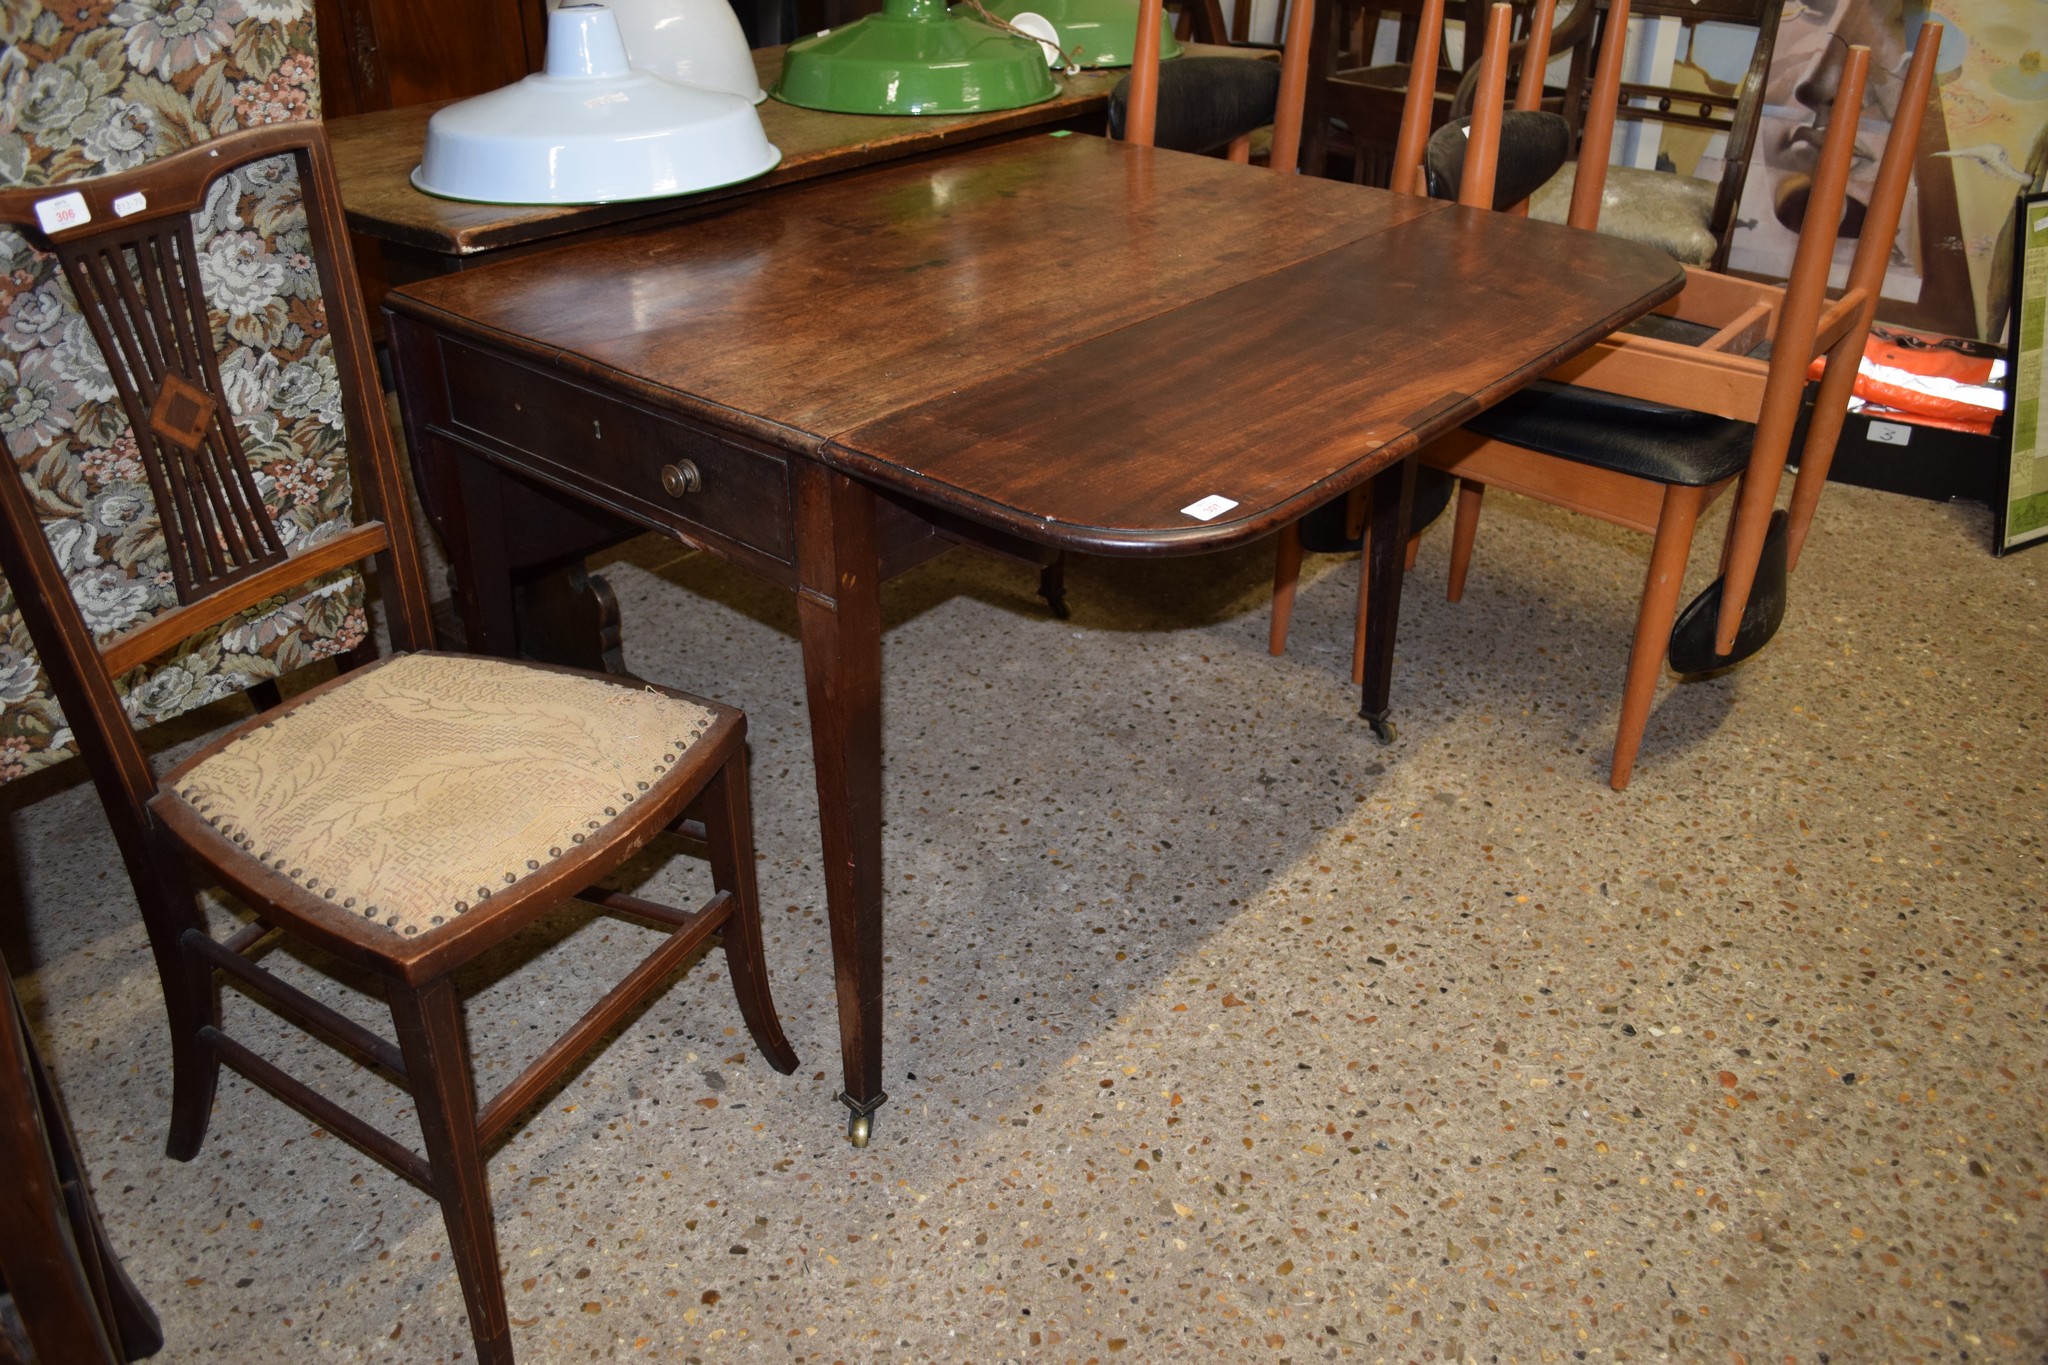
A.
x: 1717, y: 377
x: 1141, y: 122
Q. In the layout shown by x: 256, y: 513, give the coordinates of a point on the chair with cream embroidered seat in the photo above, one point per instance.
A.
x: 1646, y: 430
x: 404, y: 817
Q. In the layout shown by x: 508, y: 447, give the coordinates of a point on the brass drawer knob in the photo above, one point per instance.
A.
x: 681, y: 478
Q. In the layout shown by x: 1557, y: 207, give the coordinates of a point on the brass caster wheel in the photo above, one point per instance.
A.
x: 1382, y: 729
x: 860, y: 1120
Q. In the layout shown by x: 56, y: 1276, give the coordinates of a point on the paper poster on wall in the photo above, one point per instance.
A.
x: 1986, y: 138
x: 2023, y: 509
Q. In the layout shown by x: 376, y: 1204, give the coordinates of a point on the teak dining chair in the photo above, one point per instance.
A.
x: 1204, y: 105
x: 1646, y: 431
x: 404, y: 817
x: 1493, y: 158
x: 1210, y: 104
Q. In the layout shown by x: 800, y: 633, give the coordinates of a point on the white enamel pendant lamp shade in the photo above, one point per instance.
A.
x: 589, y: 129
x: 693, y: 42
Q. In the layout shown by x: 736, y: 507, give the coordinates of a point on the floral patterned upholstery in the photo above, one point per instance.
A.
x: 100, y: 86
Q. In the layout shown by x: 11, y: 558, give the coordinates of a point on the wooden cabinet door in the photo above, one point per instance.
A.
x: 385, y: 54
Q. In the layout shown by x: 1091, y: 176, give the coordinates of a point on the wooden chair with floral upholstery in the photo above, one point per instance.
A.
x: 404, y: 817
x: 202, y: 476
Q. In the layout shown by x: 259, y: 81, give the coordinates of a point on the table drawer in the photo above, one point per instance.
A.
x: 655, y: 466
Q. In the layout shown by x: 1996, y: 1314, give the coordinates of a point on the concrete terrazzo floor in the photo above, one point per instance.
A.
x: 1216, y: 1031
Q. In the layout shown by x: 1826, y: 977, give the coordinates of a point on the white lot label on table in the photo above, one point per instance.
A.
x: 1209, y: 508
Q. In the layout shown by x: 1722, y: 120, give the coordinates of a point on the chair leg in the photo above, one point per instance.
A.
x: 1286, y: 576
x: 193, y: 1005
x: 429, y: 1023
x: 170, y: 910
x: 1357, y: 506
x: 1675, y: 524
x: 1413, y: 553
x: 1464, y: 530
x: 728, y: 831
x: 1052, y: 585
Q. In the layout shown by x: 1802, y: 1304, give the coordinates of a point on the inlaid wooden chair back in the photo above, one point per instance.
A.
x: 127, y: 249
x: 89, y: 95
x: 406, y: 816
x: 138, y: 285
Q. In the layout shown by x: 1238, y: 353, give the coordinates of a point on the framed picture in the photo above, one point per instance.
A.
x: 2022, y: 508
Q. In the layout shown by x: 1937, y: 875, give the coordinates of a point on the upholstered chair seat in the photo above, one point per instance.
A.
x: 1533, y: 144
x: 1205, y: 102
x: 1627, y: 435
x: 411, y: 793
x: 1671, y: 212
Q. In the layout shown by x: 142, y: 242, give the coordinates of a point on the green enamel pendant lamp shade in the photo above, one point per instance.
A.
x: 1094, y: 32
x: 915, y: 57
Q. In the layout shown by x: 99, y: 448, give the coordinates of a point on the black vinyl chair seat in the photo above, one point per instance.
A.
x: 1626, y: 435
x: 1534, y: 144
x: 1205, y: 103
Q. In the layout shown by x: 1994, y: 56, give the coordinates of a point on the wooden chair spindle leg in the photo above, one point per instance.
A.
x: 1653, y: 625
x: 1286, y: 577
x: 728, y: 826
x: 1464, y: 530
x: 191, y: 1003
x: 429, y: 1023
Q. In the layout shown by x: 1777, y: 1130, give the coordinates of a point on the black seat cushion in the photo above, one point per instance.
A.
x: 1205, y: 103
x: 1627, y: 435
x: 1534, y: 144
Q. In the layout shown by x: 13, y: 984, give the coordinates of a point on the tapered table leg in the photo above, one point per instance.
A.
x: 1386, y: 541
x: 839, y: 612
